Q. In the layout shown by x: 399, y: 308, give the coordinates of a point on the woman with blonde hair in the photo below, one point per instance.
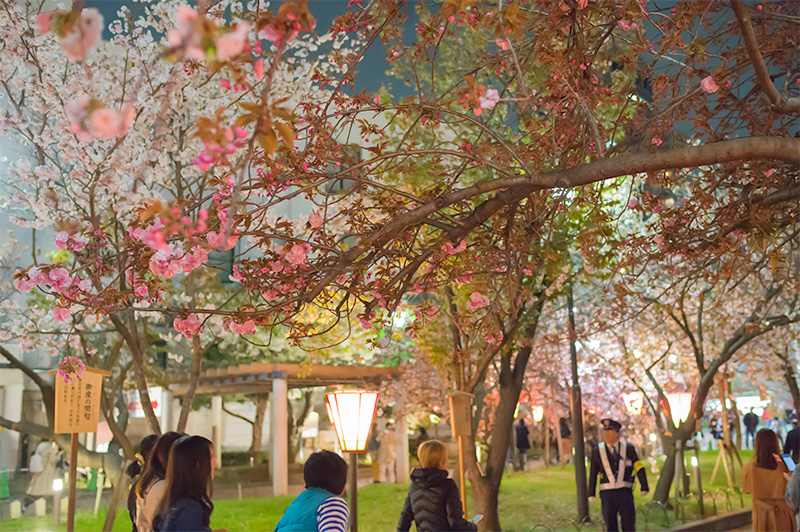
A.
x: 765, y: 477
x: 433, y: 501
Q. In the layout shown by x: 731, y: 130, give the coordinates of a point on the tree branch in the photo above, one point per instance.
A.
x: 779, y: 103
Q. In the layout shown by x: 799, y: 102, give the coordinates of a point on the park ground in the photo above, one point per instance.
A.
x: 537, y: 499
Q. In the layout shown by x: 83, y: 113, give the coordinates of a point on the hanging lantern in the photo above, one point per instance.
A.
x: 537, y: 412
x: 633, y: 402
x: 352, y: 413
x: 680, y: 404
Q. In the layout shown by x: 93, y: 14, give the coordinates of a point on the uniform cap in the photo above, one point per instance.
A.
x: 610, y: 424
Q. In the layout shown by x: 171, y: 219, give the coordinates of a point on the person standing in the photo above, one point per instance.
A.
x: 522, y: 443
x: 616, y: 463
x: 43, y: 471
x: 151, y: 485
x: 765, y: 477
x: 750, y: 423
x: 423, y: 436
x: 387, y: 455
x: 373, y: 447
x: 792, y: 444
x: 186, y: 504
x: 320, y: 508
x: 565, y: 447
x: 134, y: 472
x: 433, y: 501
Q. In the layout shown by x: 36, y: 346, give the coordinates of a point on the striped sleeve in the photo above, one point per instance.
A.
x: 333, y: 515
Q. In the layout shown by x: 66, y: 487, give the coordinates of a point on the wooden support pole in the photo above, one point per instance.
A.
x: 73, y: 473
x: 461, y: 473
x: 353, y: 492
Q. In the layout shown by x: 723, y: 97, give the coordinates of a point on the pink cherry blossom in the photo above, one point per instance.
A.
x: 258, y: 68
x: 43, y: 21
x: 709, y: 85
x: 450, y: 250
x: 61, y: 239
x: 83, y: 35
x: 191, y: 261
x: 85, y: 285
x: 61, y: 314
x: 77, y: 242
x: 189, y: 327
x: 489, y: 100
x: 315, y: 220
x: 185, y: 35
x: 162, y: 264
x: 59, y: 279
x: 296, y: 255
x: 633, y: 203
x: 248, y: 327
x: 110, y: 123
x: 478, y: 300
x: 231, y: 44
x: 141, y: 290
x: 70, y: 368
x: 625, y: 25
x: 501, y: 43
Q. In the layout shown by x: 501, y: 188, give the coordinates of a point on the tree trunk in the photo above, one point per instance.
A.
x: 116, y: 498
x: 258, y: 425
x: 661, y: 493
x: 791, y: 380
x: 296, y: 432
x: 487, y: 487
x: 197, y: 365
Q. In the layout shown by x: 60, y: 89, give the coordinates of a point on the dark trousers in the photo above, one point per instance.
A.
x: 521, y: 455
x: 750, y: 437
x: 619, y: 501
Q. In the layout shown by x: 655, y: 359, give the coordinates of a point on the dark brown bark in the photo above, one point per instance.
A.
x: 790, y: 376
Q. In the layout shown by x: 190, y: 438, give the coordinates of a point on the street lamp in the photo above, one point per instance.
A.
x: 58, y: 485
x: 352, y: 412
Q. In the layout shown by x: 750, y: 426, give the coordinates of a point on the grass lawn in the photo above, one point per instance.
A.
x: 541, y: 498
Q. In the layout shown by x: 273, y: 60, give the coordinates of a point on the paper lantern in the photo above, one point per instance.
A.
x: 352, y: 413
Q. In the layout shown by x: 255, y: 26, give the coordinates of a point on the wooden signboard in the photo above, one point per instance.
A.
x: 78, y: 402
x: 77, y: 410
x: 460, y: 415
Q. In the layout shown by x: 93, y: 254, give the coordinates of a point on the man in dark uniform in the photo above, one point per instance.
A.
x: 616, y: 462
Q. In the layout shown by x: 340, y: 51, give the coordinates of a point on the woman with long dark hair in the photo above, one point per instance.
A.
x: 150, y: 488
x: 186, y: 504
x: 134, y: 471
x: 765, y: 477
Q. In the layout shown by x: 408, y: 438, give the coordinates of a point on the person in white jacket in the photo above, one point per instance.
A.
x: 387, y: 454
x: 43, y: 471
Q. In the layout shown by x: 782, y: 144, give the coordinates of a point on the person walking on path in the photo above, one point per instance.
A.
x: 373, y: 446
x: 387, y: 455
x: 186, y: 504
x: 750, y: 423
x: 433, y: 502
x: 765, y: 477
x: 320, y: 508
x: 616, y: 463
x: 522, y: 443
x: 792, y: 444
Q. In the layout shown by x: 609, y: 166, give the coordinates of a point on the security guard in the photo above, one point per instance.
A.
x: 616, y: 462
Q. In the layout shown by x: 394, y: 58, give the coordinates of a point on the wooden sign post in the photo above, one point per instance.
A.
x: 77, y: 410
x: 461, y: 426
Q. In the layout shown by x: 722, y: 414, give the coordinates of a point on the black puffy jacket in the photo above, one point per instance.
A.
x: 433, y: 503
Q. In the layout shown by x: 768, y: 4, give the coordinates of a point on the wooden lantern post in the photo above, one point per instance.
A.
x: 77, y: 410
x: 461, y: 426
